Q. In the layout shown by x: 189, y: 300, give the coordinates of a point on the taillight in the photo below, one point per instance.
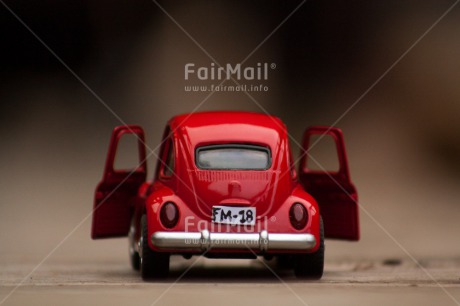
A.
x: 298, y: 216
x: 169, y: 214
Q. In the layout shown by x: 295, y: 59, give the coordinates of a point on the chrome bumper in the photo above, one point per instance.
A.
x: 204, y: 240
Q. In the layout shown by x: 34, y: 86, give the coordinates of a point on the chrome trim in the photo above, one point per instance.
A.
x: 263, y: 240
x: 205, y: 240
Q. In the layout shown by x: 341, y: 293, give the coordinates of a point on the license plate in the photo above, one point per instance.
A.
x: 234, y: 215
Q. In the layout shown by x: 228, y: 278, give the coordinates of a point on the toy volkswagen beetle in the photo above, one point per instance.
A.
x: 225, y: 187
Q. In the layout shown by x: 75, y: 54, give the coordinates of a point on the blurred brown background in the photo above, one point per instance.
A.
x: 403, y: 138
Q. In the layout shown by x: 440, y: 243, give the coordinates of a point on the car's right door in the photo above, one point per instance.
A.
x: 333, y: 190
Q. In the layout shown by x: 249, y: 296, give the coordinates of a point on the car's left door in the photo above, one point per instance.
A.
x: 117, y: 192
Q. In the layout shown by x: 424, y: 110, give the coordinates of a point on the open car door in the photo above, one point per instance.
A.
x: 333, y: 190
x: 116, y: 193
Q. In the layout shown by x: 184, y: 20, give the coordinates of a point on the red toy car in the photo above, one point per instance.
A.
x: 225, y: 187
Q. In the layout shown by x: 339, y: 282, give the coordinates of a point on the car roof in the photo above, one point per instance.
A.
x: 227, y: 127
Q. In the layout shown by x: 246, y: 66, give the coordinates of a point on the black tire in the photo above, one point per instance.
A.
x: 135, y: 260
x: 134, y: 257
x: 154, y: 265
x: 311, y: 265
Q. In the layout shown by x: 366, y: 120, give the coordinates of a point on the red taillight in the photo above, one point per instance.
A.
x: 169, y: 214
x: 298, y: 216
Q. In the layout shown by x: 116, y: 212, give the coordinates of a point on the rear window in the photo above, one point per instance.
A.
x: 233, y: 157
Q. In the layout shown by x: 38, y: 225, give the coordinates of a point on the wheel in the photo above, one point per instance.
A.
x: 311, y: 265
x: 154, y: 265
x: 134, y: 257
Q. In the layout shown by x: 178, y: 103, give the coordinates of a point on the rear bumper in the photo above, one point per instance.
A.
x: 259, y: 242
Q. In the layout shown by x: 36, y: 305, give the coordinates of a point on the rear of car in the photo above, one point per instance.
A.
x: 233, y: 193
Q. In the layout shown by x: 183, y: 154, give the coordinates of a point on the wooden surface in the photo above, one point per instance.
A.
x: 200, y: 281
